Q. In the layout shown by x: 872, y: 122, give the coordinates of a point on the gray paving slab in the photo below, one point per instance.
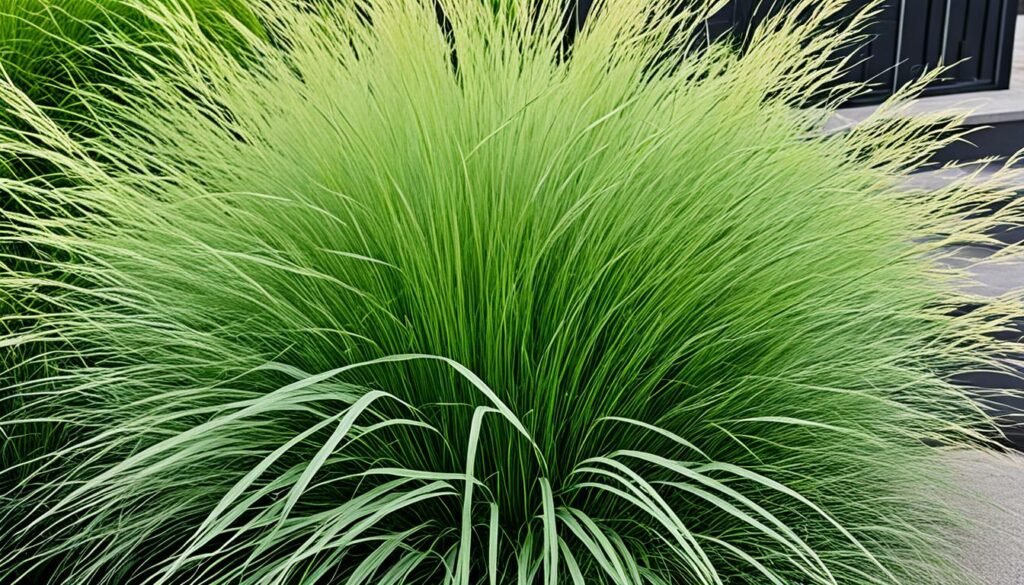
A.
x: 992, y: 547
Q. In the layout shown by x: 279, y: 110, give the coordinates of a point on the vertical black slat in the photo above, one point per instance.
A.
x: 973, y: 43
x: 988, y: 60
x: 1005, y: 51
x: 987, y: 43
x: 883, y: 49
x: 751, y: 15
x: 857, y: 66
x: 956, y: 42
x: 880, y: 52
x: 744, y: 15
x: 858, y: 55
x: 913, y: 36
x: 576, y: 12
x: 910, y: 31
x: 760, y: 11
x: 934, y: 23
x: 739, y: 18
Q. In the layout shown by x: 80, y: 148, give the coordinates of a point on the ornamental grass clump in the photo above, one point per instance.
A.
x: 408, y: 299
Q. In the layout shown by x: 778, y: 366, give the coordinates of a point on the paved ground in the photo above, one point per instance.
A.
x: 993, y: 548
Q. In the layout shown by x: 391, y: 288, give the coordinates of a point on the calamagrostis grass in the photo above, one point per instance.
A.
x: 391, y: 298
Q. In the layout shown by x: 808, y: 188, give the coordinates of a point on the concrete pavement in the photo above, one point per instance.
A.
x: 992, y: 548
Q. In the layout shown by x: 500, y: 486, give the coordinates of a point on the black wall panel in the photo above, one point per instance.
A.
x: 912, y: 37
x: 909, y: 38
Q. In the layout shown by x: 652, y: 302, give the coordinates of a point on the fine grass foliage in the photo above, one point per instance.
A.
x: 53, y: 51
x: 401, y: 299
x: 47, y: 44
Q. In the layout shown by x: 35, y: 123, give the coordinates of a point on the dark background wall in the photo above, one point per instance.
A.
x: 912, y: 37
x: 908, y: 39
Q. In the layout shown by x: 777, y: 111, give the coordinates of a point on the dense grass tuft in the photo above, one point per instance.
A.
x: 55, y: 52
x: 46, y: 45
x: 391, y: 301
